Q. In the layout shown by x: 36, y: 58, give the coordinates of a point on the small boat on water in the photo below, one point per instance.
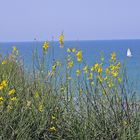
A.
x: 129, y: 54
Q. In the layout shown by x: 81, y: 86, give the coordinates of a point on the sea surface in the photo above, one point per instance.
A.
x: 92, y: 51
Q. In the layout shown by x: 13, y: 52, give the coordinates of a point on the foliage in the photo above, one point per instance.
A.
x: 61, y: 102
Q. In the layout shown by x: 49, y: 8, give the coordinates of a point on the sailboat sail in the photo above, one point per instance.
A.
x: 129, y: 54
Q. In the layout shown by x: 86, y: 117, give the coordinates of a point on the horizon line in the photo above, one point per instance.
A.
x: 68, y: 40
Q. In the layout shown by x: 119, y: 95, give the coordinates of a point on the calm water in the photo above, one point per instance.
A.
x: 91, y: 51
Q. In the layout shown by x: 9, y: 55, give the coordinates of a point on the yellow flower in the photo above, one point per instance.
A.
x: 13, y: 98
x: 70, y: 64
x: 105, y: 78
x: 107, y: 71
x: 1, y: 98
x: 115, y: 74
x: 85, y: 69
x: 68, y: 50
x: 92, y: 68
x: 79, y: 56
x: 73, y: 50
x: 52, y: 129
x: 99, y: 70
x: 3, y: 62
x: 15, y: 50
x: 41, y: 108
x: 78, y: 72
x: 112, y: 67
x: 99, y: 78
x: 61, y: 40
x: 3, y: 84
x: 54, y: 67
x: 96, y: 66
x: 12, y: 91
x: 110, y: 84
x: 113, y: 56
x: 90, y: 77
x: 119, y: 64
x: 45, y: 46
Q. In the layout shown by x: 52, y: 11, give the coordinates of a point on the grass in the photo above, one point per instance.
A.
x: 66, y: 101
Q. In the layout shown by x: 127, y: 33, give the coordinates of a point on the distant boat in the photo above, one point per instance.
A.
x: 129, y: 54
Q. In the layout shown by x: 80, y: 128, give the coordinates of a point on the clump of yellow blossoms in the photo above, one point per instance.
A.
x: 1, y: 100
x: 70, y: 64
x: 78, y: 72
x: 68, y: 50
x: 99, y: 78
x: 90, y: 77
x: 41, y: 108
x: 85, y: 69
x: 45, y: 46
x: 13, y: 98
x: 52, y: 129
x: 113, y: 56
x: 61, y: 40
x: 92, y: 69
x: 3, y: 62
x: 54, y: 67
x: 12, y: 91
x: 97, y: 67
x: 79, y: 56
x: 3, y: 84
x: 71, y: 50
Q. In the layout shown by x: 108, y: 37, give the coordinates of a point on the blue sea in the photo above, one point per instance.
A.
x: 92, y: 51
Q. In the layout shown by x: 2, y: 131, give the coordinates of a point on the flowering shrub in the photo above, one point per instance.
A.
x: 82, y: 102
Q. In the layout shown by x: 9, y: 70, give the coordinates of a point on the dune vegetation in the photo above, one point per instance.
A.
x: 68, y: 100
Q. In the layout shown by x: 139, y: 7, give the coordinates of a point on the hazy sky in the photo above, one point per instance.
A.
x: 23, y: 20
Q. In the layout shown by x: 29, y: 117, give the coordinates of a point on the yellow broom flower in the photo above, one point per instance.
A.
x: 12, y: 91
x: 13, y: 98
x: 61, y: 40
x: 45, y: 46
x: 52, y: 129
x: 70, y: 64
x: 3, y: 62
x: 1, y: 98
x: 78, y: 72
x: 79, y: 56
x: 85, y: 69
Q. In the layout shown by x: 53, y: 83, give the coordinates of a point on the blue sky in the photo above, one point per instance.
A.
x: 23, y: 20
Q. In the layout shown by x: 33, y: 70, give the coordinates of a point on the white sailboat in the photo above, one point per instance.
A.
x: 129, y: 54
